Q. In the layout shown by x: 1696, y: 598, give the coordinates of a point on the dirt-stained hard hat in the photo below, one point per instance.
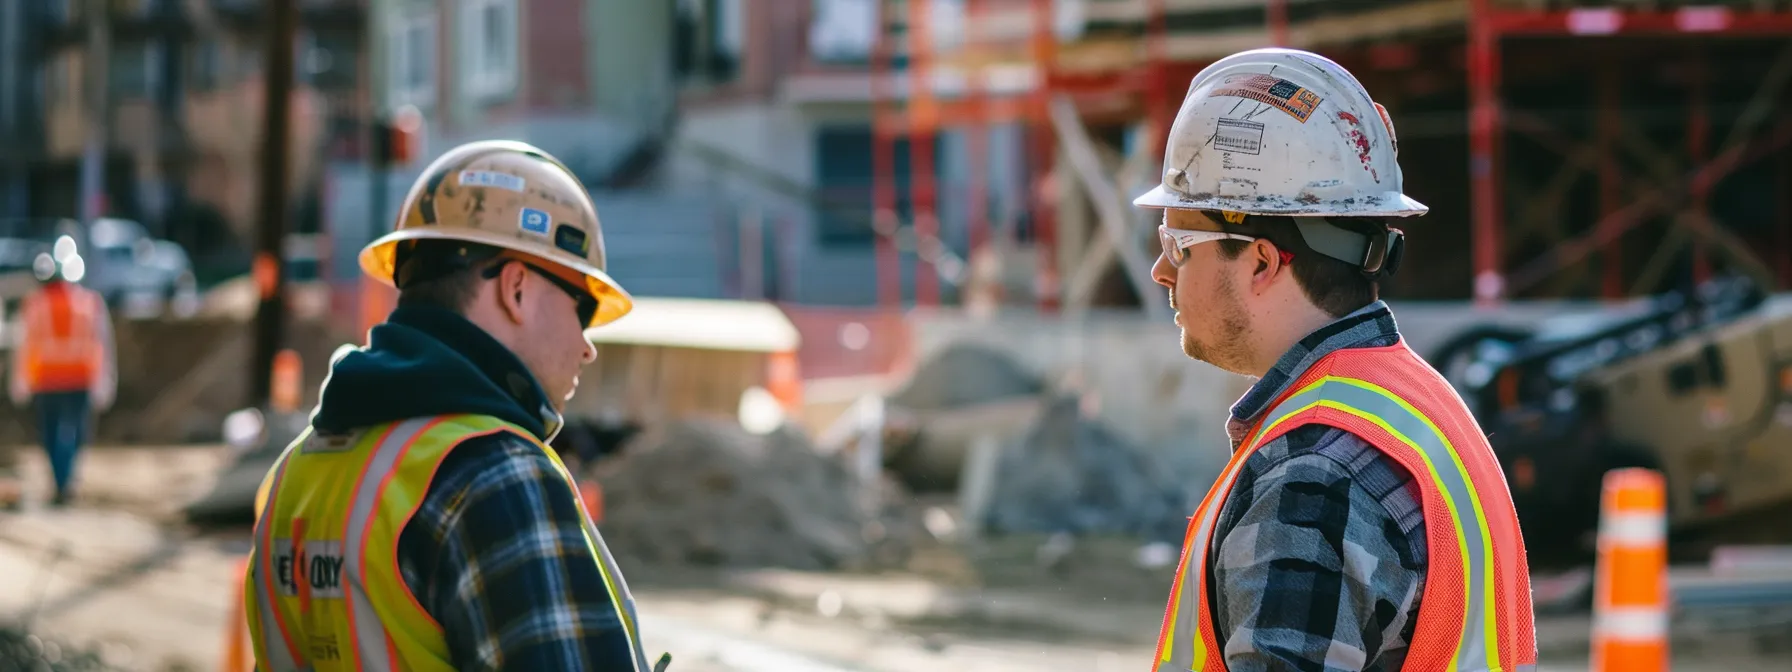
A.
x: 512, y: 196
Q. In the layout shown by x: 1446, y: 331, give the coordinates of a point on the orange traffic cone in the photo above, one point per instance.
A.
x: 1630, y: 593
x: 236, y: 627
x: 593, y: 496
x: 288, y: 379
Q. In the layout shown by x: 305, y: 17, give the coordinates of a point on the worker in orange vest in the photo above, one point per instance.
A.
x: 64, y: 362
x: 1362, y: 521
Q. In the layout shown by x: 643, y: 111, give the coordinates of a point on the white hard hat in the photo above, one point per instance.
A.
x: 1281, y: 132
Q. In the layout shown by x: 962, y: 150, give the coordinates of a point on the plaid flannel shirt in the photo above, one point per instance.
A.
x: 497, y: 555
x: 1321, y: 553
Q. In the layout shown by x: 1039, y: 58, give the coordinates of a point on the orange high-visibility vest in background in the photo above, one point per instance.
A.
x: 62, y: 349
x: 1476, y: 610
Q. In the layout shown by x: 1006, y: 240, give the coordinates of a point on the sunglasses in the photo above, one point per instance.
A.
x: 1177, y: 241
x: 587, y: 304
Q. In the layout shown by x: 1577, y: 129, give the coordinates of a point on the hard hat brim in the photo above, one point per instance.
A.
x: 613, y: 301
x: 1390, y: 204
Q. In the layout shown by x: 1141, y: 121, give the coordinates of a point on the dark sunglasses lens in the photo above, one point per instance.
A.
x: 587, y: 309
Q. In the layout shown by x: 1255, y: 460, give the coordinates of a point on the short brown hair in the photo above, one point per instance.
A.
x: 1336, y: 287
x: 440, y: 273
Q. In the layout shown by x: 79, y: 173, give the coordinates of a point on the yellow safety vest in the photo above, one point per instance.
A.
x: 323, y: 590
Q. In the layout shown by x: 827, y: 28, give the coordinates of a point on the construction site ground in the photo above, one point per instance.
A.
x: 120, y: 571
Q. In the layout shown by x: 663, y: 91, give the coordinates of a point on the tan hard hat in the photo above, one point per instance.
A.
x: 509, y: 195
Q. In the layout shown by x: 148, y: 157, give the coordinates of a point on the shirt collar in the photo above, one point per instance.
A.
x: 1370, y: 326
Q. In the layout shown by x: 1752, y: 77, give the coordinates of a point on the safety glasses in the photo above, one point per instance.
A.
x: 587, y: 304
x: 1177, y: 241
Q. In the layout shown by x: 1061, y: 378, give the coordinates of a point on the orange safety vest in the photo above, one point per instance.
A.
x: 1476, y: 610
x: 62, y: 349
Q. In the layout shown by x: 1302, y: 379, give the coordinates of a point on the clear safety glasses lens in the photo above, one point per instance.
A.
x: 1177, y: 241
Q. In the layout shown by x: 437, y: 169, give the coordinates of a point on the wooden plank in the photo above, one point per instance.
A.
x: 1109, y: 202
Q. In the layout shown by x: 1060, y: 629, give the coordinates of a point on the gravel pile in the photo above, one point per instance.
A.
x: 21, y: 651
x: 708, y: 493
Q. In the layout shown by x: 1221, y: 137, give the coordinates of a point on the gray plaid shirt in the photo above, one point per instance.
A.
x: 1321, y: 553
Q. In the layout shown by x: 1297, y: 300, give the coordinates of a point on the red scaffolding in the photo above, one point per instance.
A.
x: 1489, y: 23
x: 1152, y: 83
x: 919, y: 114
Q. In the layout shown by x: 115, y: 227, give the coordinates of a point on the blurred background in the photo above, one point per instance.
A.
x: 899, y: 393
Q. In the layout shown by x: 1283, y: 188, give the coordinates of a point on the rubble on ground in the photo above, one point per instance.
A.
x: 965, y: 374
x: 706, y: 492
x: 22, y: 651
x: 1070, y: 473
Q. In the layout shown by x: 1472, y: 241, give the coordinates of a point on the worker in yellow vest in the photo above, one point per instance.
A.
x: 1363, y: 521
x: 63, y: 363
x: 421, y: 522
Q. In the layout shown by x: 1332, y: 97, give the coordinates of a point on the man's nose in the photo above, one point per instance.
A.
x: 1163, y: 273
x: 590, y: 351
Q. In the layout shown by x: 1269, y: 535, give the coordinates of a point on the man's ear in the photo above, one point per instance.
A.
x: 510, y: 291
x: 1268, y: 261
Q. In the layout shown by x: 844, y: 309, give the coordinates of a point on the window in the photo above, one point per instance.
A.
x: 206, y: 60
x: 842, y: 31
x: 844, y: 181
x: 488, y: 35
x: 58, y: 88
x: 332, y: 62
x: 411, y: 58
x: 708, y: 38
x: 135, y: 70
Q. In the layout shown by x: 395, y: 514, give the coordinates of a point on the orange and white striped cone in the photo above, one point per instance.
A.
x: 1630, y: 592
x: 288, y: 379
x: 237, y: 657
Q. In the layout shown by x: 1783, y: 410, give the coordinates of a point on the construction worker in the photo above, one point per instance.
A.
x: 64, y: 363
x: 1362, y: 522
x: 421, y: 522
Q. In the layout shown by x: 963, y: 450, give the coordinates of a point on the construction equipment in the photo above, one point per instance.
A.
x: 1696, y: 384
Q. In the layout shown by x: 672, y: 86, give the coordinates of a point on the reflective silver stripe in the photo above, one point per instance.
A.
x: 370, y: 633
x: 1447, y: 472
x: 273, y: 643
x: 1187, y: 636
x: 624, y: 599
x: 612, y: 573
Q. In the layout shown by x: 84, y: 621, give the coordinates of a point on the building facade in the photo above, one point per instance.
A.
x: 182, y: 108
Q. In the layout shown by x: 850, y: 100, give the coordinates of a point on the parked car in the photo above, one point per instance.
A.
x: 138, y: 275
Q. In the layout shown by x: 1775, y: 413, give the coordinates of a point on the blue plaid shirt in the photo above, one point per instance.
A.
x: 1320, y: 559
x: 497, y: 555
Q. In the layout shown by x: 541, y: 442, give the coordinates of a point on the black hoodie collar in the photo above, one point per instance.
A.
x: 426, y: 361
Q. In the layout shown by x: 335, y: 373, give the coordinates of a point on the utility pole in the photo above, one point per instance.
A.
x: 270, y: 234
x: 96, y: 77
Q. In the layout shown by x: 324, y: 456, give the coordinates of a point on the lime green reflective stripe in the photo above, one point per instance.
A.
x: 1475, y: 650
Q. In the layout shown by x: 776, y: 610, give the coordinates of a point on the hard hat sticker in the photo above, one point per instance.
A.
x: 1272, y: 91
x: 1238, y: 135
x: 572, y: 239
x: 486, y: 178
x: 533, y: 221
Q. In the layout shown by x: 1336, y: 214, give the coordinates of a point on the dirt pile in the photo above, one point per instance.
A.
x: 708, y: 493
x: 1070, y: 473
x: 23, y: 651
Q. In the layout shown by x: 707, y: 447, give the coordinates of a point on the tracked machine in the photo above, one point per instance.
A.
x: 1696, y: 384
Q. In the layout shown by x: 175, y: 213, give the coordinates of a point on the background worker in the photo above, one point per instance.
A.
x: 64, y: 364
x: 425, y: 470
x: 1362, y: 522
